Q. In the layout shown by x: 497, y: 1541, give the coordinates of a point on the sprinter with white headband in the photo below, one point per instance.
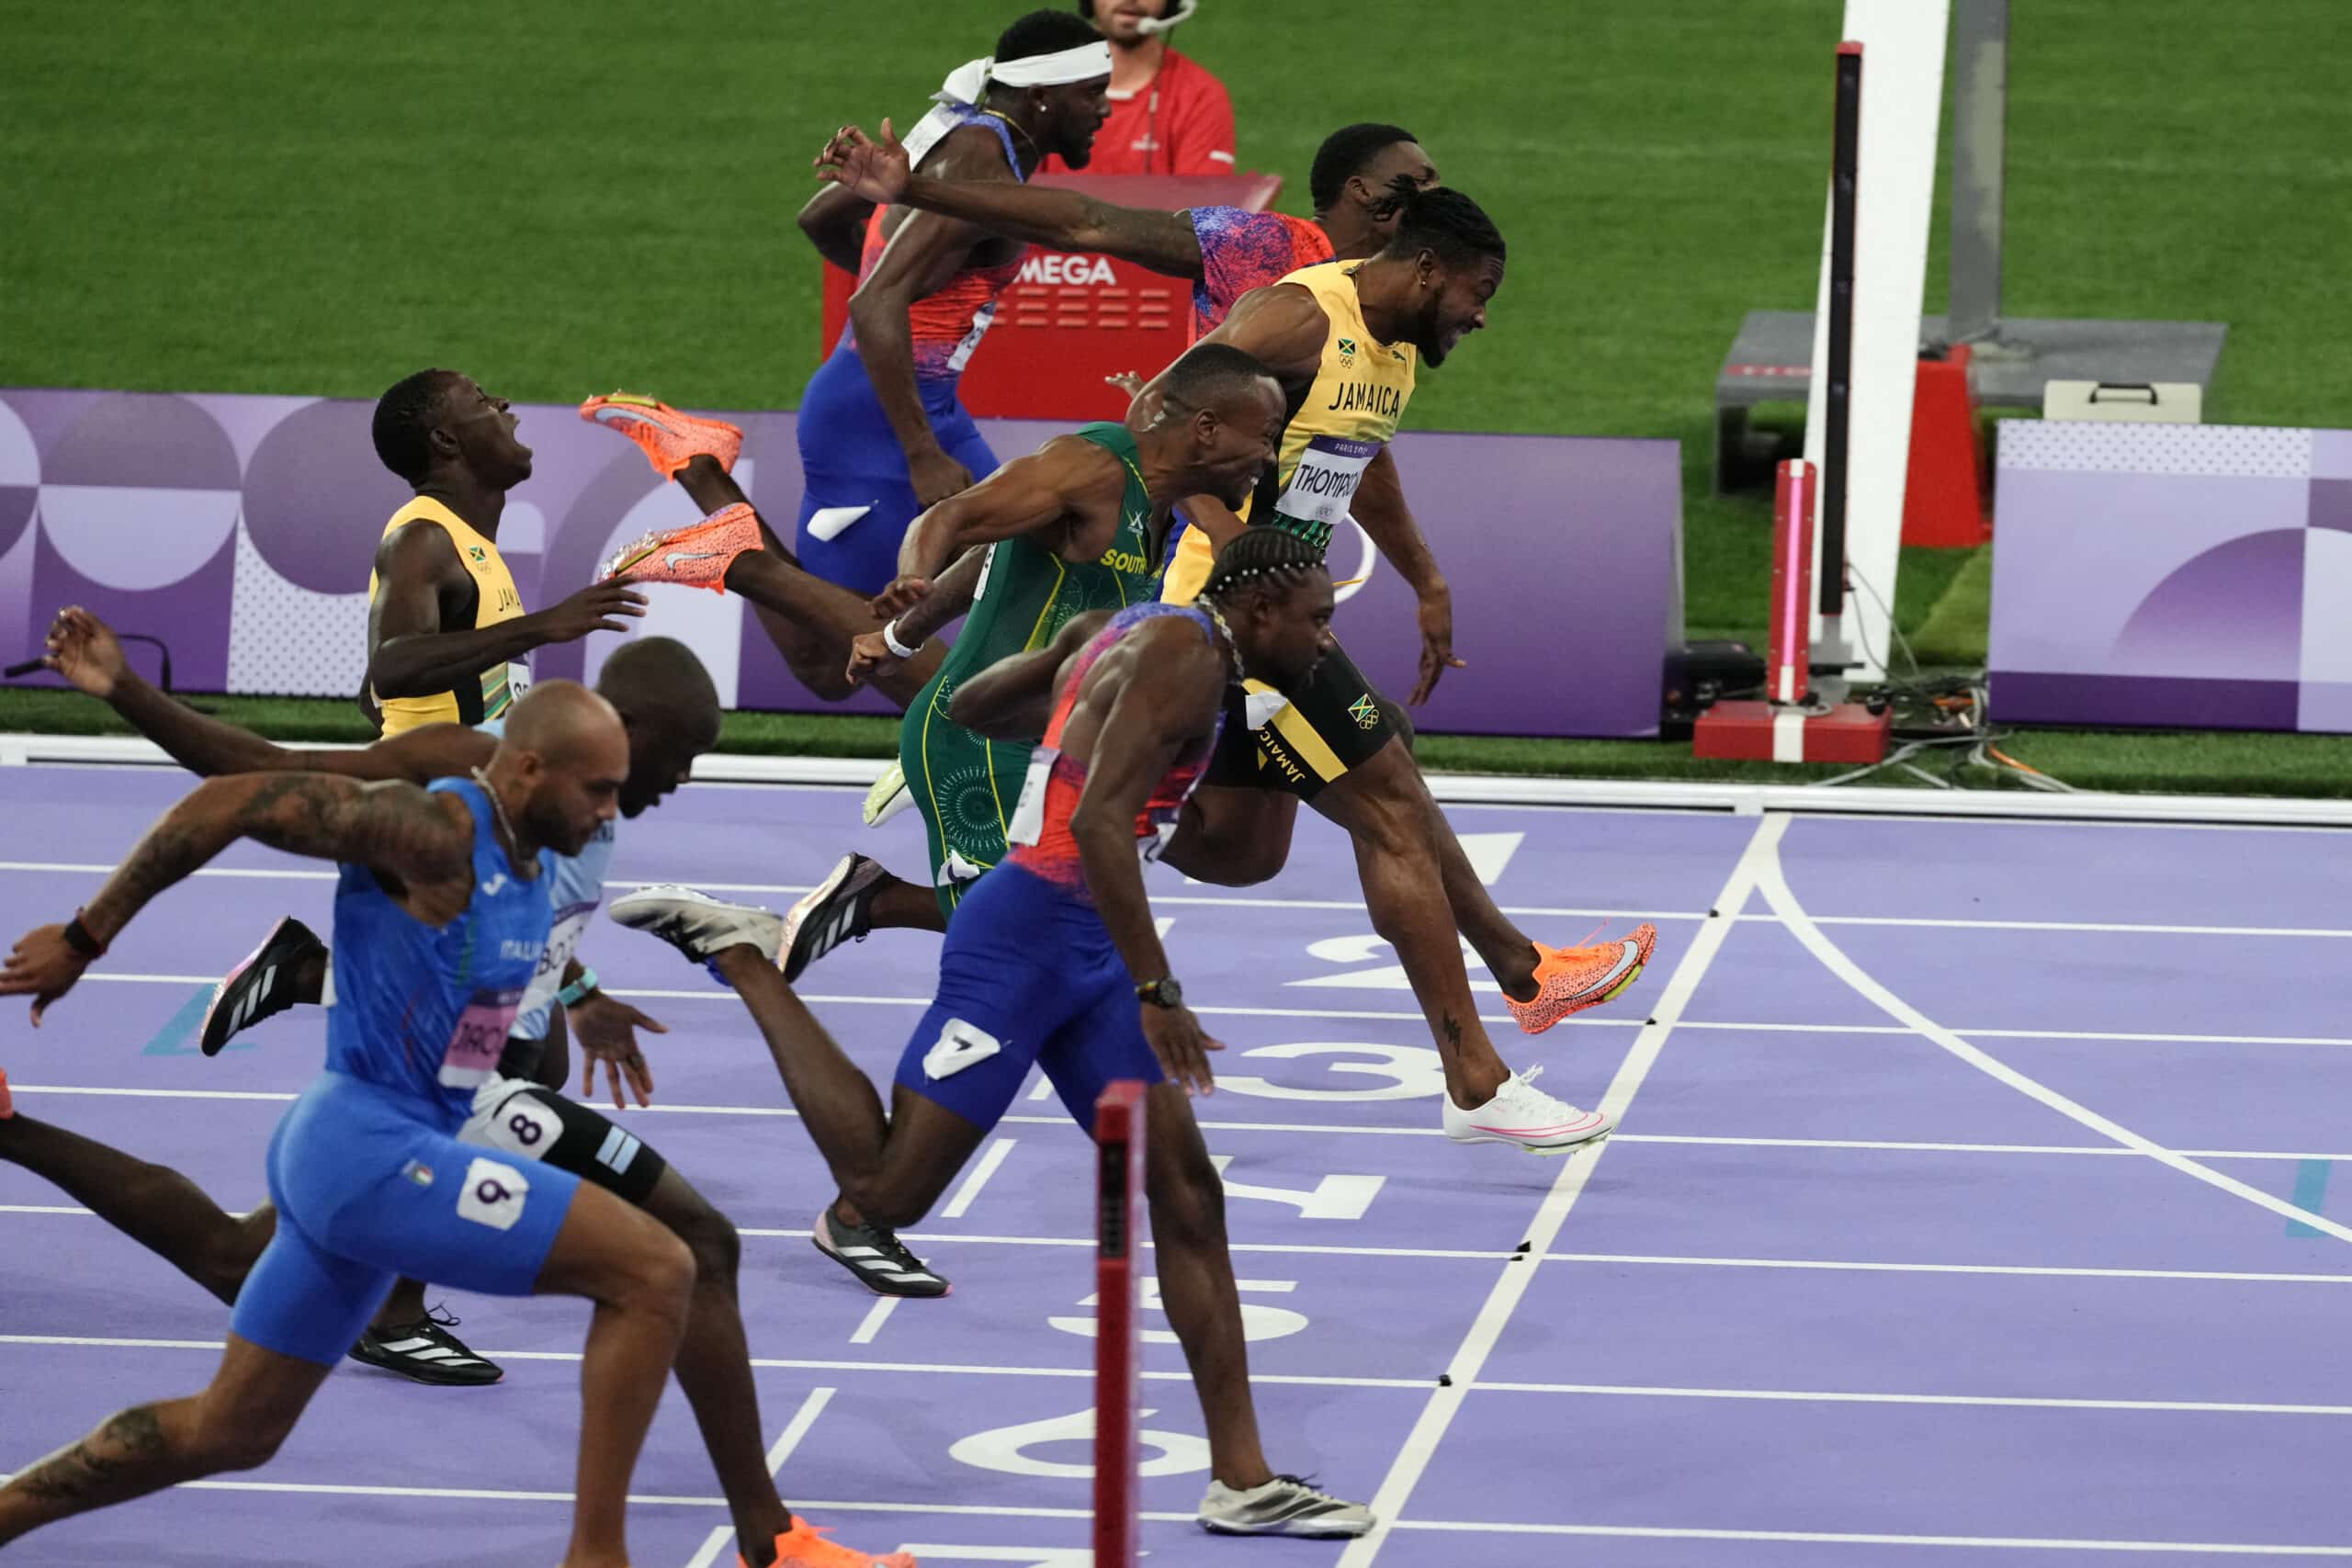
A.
x: 882, y: 433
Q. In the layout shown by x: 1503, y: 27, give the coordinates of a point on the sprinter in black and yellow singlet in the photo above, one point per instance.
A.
x: 1346, y: 339
x: 447, y: 631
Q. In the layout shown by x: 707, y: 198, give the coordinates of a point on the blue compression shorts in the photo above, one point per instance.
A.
x: 1028, y: 975
x: 850, y: 457
x: 368, y: 1189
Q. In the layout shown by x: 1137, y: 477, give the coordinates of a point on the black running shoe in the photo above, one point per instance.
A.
x: 425, y: 1351
x: 838, y: 909
x: 262, y: 987
x: 878, y: 1259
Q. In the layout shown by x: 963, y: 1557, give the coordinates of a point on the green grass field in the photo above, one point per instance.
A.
x: 262, y: 195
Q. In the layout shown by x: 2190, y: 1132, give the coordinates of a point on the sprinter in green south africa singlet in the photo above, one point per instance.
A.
x: 964, y: 784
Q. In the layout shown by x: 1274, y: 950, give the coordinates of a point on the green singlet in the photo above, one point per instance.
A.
x: 965, y: 784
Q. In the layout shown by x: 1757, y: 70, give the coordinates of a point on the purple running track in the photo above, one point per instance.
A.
x: 1833, y: 1295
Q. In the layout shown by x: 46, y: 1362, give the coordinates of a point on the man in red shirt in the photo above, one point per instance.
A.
x: 1169, y: 115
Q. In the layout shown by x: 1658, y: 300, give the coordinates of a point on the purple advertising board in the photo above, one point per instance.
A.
x: 239, y: 531
x: 2165, y: 575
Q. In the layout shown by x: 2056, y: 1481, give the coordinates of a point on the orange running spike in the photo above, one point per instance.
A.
x: 805, y: 1546
x: 671, y: 439
x: 696, y: 556
x: 1570, y: 979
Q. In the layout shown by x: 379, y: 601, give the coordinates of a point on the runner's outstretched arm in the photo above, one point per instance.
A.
x: 877, y: 173
x: 1037, y: 496
x: 1171, y: 697
x: 1379, y: 506
x: 925, y: 253
x: 395, y: 829
x: 84, y: 649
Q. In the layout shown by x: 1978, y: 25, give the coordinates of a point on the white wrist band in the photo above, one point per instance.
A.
x: 890, y: 640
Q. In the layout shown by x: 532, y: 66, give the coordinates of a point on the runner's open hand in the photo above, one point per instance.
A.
x: 1181, y: 1046
x: 874, y: 171
x: 1436, y: 613
x: 83, y: 648
x: 599, y: 607
x: 44, y: 965
x: 607, y: 1029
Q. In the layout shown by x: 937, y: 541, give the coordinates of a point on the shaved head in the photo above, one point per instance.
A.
x: 560, y: 769
x: 670, y: 708
x: 649, y: 675
x: 556, y: 718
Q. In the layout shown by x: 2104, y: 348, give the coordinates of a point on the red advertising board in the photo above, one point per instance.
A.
x: 1074, y: 319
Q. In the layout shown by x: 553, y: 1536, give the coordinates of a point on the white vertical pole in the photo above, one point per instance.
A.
x: 1902, y: 99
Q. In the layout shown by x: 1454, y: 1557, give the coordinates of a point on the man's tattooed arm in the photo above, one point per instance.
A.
x: 390, y: 827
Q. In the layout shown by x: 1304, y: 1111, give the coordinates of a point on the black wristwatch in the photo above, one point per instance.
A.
x: 1164, y: 993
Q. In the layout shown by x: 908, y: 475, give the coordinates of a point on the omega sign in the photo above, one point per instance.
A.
x: 1066, y: 270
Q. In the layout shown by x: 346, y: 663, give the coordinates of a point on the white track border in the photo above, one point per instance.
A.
x: 1488, y: 789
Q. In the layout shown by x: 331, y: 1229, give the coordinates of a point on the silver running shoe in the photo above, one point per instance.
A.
x: 1284, y: 1506
x: 697, y: 924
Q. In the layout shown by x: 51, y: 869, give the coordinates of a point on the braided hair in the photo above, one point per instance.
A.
x: 1268, y: 555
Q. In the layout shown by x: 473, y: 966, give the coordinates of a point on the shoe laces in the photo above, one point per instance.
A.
x: 1521, y: 1092
x: 892, y: 1247
x: 437, y: 1315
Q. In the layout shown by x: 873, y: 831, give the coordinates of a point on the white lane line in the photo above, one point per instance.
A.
x: 773, y: 1363
x: 1463, y: 1527
x: 806, y: 1416
x: 1510, y: 1286
x: 1534, y: 911
x: 970, y: 1188
x: 1774, y: 888
x: 1826, y: 1538
x: 875, y: 1316
x: 1811, y: 1396
x: 797, y: 1428
x: 960, y: 1205
x: 1644, y: 1260
x: 714, y: 994
x: 288, y: 873
x: 2127, y: 1037
x: 2119, y: 928
x: 1493, y: 1255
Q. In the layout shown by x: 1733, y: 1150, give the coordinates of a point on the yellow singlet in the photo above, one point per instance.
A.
x: 494, y: 601
x: 1350, y: 413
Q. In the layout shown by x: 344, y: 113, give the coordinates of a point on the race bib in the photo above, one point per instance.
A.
x: 1324, y: 482
x: 563, y: 940
x: 1029, y: 816
x: 479, y: 1038
x: 503, y: 686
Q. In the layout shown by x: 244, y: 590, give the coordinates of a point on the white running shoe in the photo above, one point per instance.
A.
x: 698, y: 925
x: 1527, y: 1118
x: 1284, y: 1506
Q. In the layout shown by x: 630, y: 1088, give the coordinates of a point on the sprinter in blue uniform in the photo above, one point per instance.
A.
x: 441, y: 915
